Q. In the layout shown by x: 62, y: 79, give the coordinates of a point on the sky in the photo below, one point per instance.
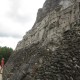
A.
x: 16, y: 18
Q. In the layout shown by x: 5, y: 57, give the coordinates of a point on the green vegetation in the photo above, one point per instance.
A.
x: 5, y: 53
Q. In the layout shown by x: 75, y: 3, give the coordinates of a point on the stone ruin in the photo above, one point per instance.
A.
x: 51, y: 49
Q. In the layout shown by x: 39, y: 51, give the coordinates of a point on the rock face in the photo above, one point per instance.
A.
x: 51, y: 49
x: 51, y: 20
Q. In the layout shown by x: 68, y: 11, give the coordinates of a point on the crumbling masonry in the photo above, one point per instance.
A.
x: 51, y: 49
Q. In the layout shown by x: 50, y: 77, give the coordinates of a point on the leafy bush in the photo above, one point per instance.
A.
x: 5, y: 53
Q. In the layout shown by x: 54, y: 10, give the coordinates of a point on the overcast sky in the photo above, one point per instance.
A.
x: 16, y: 17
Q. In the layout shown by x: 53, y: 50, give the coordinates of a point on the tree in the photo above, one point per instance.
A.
x: 5, y: 53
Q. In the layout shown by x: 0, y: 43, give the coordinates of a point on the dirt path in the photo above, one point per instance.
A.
x: 0, y: 76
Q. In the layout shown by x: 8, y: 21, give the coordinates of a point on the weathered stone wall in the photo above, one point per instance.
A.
x: 40, y: 63
x: 51, y: 49
x: 51, y: 27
